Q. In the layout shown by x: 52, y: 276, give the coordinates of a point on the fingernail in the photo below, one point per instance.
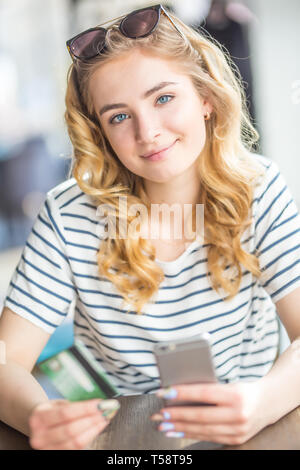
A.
x: 174, y: 434
x: 166, y: 427
x: 109, y: 414
x: 108, y: 408
x: 161, y: 417
x: 167, y: 393
x: 157, y: 417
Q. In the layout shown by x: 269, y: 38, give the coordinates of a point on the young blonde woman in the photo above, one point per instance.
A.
x: 157, y: 118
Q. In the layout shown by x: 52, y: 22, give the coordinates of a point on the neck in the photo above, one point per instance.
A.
x: 181, y: 195
x: 184, y: 189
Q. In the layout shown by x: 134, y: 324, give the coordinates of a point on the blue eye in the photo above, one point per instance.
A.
x: 112, y: 121
x: 116, y: 119
x: 165, y: 96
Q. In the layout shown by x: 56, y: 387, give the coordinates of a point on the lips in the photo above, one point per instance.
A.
x: 156, y: 152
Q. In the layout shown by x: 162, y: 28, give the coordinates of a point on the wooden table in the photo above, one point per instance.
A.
x: 132, y: 429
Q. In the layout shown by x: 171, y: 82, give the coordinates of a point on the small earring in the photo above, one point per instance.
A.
x: 206, y: 116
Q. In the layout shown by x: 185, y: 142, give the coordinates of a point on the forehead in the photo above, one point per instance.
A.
x: 134, y: 72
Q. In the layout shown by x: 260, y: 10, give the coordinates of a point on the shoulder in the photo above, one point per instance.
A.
x: 65, y: 194
x: 267, y: 165
x: 273, y: 203
x: 270, y: 180
x: 66, y: 205
x: 68, y: 197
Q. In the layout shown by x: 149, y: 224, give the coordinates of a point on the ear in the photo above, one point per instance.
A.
x: 207, y: 107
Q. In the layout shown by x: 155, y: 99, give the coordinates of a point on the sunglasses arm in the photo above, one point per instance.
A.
x: 110, y: 21
x: 69, y: 49
x: 172, y: 22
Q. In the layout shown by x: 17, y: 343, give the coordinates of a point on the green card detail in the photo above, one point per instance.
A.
x: 76, y: 375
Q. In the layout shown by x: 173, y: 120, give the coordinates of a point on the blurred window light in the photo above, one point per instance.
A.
x: 296, y: 92
x: 191, y: 11
x: 8, y: 81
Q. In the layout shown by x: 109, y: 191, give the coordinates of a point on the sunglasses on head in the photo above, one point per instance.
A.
x: 137, y: 24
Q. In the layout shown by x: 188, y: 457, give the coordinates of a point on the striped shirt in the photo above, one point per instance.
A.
x: 58, y: 267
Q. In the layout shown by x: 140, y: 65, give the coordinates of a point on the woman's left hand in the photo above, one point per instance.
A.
x: 239, y: 413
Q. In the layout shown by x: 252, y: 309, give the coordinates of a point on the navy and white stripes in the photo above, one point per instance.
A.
x: 58, y: 266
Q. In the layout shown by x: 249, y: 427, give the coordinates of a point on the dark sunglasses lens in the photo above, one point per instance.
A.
x: 89, y: 44
x: 140, y: 24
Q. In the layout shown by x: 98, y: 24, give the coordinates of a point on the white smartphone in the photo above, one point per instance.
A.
x: 185, y: 361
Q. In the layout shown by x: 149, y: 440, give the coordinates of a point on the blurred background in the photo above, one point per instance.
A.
x: 262, y: 37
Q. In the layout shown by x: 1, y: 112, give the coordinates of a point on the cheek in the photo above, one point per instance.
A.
x: 200, y: 132
x: 121, y: 144
x: 124, y: 149
x: 194, y: 128
x: 189, y: 118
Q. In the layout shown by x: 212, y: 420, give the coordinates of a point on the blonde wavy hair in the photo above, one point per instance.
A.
x: 226, y: 165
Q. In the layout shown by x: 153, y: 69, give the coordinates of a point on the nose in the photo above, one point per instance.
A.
x: 146, y: 129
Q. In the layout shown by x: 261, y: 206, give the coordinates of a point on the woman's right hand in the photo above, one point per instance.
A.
x: 60, y: 424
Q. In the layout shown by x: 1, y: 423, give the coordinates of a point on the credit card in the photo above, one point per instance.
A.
x: 76, y: 375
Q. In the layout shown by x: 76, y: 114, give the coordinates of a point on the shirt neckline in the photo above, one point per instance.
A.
x: 176, y: 261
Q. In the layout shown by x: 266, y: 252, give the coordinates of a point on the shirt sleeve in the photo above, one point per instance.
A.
x: 277, y: 235
x: 41, y: 289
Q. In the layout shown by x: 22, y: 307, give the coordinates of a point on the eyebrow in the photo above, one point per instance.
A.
x: 148, y: 93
